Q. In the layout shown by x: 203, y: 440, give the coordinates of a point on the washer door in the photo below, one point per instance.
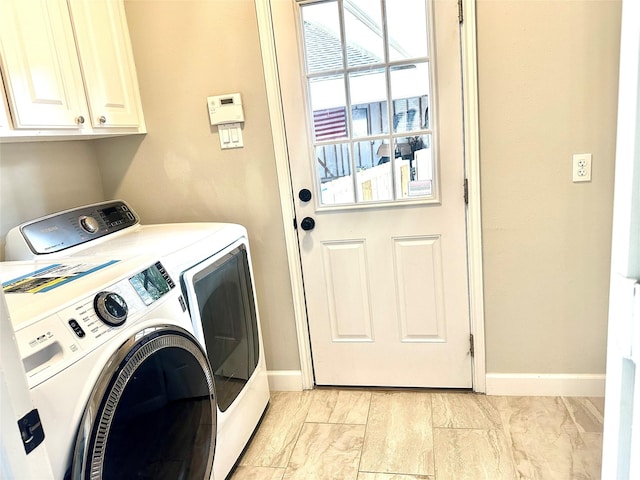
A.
x: 152, y: 413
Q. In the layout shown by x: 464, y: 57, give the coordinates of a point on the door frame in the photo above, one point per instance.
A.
x: 472, y: 173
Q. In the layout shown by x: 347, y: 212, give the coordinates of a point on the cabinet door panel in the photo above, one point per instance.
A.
x: 107, y: 63
x: 4, y: 113
x: 42, y: 74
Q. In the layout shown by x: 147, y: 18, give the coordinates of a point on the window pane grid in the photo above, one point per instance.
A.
x: 377, y: 109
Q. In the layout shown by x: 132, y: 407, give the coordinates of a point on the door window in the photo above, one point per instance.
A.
x: 369, y: 78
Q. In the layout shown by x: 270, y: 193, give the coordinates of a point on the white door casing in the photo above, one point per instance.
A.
x: 401, y: 243
x: 621, y: 436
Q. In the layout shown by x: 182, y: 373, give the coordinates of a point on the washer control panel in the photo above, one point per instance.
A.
x: 73, y: 227
x: 53, y: 343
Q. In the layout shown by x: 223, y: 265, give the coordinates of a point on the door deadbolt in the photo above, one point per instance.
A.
x: 304, y: 194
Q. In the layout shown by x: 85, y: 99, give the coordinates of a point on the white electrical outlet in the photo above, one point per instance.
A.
x: 582, y: 167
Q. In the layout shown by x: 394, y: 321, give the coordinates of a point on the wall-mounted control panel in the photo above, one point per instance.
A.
x: 225, y: 111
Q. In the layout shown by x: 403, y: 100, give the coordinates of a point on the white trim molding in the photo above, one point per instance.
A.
x: 285, y: 380
x: 546, y: 384
x: 276, y: 116
x: 469, y: 52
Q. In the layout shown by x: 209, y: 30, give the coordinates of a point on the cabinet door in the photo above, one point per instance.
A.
x: 5, y: 123
x: 106, y: 59
x: 40, y: 65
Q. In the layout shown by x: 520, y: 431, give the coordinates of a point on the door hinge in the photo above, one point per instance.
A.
x: 472, y: 349
x: 460, y: 12
x: 466, y: 191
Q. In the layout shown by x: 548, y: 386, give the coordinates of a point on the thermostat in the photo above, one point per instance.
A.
x: 225, y: 109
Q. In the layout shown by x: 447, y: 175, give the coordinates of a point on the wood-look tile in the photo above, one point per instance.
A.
x: 326, y: 452
x: 399, y: 436
x: 542, y: 456
x: 586, y: 413
x: 257, y: 473
x: 424, y: 436
x: 464, y: 410
x: 339, y: 406
x: 392, y: 476
x: 465, y: 454
x: 598, y: 402
x: 274, y: 440
x: 534, y: 415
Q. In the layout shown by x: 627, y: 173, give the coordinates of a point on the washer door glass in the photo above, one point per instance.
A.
x: 152, y: 415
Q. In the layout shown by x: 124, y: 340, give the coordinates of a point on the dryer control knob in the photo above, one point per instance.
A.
x: 111, y: 308
x: 89, y: 224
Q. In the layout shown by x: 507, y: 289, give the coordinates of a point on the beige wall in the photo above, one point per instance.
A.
x: 41, y: 178
x: 548, y: 82
x: 184, y: 52
x: 548, y: 89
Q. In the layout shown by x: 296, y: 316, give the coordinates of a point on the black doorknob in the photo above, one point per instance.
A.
x: 304, y: 195
x: 307, y: 223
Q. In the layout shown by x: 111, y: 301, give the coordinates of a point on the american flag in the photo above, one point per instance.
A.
x: 330, y: 123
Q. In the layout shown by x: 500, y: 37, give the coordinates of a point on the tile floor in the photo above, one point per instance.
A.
x: 336, y: 434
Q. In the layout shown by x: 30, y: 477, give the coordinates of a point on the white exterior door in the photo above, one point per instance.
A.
x: 372, y: 100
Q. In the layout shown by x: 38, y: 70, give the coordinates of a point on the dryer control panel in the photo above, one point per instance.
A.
x: 70, y: 228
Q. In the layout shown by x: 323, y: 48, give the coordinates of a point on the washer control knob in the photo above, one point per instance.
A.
x: 111, y: 308
x: 89, y: 224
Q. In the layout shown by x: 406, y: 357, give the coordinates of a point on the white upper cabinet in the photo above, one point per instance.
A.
x: 41, y: 69
x: 107, y: 64
x: 68, y: 69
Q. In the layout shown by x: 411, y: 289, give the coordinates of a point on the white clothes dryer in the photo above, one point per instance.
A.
x: 213, y: 264
x: 123, y: 388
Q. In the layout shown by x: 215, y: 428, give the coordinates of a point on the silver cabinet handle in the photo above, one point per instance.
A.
x: 80, y: 120
x: 102, y: 119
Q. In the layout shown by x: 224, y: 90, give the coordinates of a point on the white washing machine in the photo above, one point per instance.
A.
x: 22, y: 448
x: 212, y: 263
x: 122, y: 386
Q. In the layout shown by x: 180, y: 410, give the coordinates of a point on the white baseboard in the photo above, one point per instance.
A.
x: 285, y: 380
x: 522, y: 384
x: 545, y: 384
